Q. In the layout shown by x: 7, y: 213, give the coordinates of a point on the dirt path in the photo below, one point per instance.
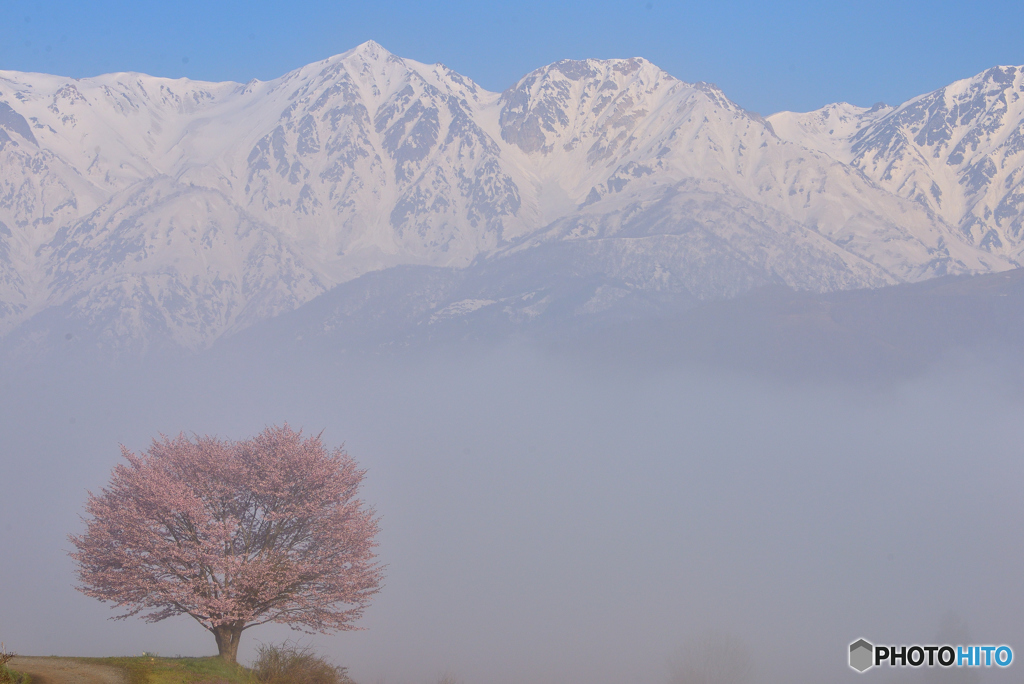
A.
x: 66, y: 671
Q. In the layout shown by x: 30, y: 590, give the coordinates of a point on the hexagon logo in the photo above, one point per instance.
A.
x: 861, y: 655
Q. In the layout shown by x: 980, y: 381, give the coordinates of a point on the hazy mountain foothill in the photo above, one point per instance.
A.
x: 369, y: 202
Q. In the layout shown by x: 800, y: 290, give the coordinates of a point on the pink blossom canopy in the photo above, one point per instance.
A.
x: 233, y: 533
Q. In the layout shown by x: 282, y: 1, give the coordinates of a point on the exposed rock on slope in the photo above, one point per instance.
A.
x: 151, y: 209
x: 958, y: 151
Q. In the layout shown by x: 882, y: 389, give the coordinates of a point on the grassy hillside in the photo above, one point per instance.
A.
x: 156, y: 670
x: 283, y: 664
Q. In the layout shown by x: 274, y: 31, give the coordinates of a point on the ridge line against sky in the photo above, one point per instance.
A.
x: 767, y: 57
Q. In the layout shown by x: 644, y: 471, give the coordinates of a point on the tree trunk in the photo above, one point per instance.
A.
x: 227, y: 637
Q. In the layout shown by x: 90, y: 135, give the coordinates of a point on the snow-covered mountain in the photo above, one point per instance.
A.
x: 154, y: 210
x: 958, y: 151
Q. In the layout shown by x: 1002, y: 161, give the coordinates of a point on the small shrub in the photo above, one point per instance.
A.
x: 449, y: 678
x: 294, y: 664
x: 6, y: 676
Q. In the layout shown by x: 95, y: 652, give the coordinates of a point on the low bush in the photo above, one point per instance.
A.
x: 293, y: 664
x: 6, y: 676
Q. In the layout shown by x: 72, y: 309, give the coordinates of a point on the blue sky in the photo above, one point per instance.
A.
x: 766, y: 56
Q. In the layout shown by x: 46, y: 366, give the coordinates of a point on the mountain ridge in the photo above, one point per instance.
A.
x: 920, y: 151
x: 169, y: 209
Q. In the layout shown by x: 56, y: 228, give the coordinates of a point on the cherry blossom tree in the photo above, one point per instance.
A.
x: 234, y: 534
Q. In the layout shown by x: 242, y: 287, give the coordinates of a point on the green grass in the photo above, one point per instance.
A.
x: 156, y: 670
x: 287, y: 663
x: 13, y: 677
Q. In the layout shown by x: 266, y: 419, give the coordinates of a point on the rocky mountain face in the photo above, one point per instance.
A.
x: 959, y: 151
x: 147, y: 211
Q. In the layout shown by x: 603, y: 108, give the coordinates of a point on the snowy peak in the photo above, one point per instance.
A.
x: 829, y: 129
x: 121, y: 127
x: 958, y: 151
x: 378, y: 73
x: 368, y: 51
x: 572, y: 101
x: 967, y: 113
x: 963, y: 122
x: 383, y: 156
x: 595, y: 126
